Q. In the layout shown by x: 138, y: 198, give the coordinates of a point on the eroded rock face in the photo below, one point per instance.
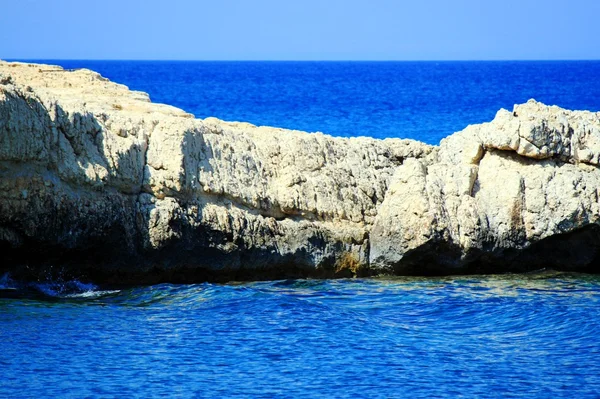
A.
x: 96, y: 176
x: 98, y: 180
x: 496, y: 193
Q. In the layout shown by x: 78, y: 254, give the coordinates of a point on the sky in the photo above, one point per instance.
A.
x: 300, y: 29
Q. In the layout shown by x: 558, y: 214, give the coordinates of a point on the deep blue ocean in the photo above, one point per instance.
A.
x: 425, y: 101
x: 508, y: 336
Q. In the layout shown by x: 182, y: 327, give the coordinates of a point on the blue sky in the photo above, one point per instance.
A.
x: 300, y: 29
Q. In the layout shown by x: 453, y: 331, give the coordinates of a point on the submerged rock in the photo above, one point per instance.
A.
x: 99, y: 180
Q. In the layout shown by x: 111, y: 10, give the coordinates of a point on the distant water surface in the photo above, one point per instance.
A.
x: 514, y: 336
x: 425, y: 101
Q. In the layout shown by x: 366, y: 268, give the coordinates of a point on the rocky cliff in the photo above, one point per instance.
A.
x: 98, y: 180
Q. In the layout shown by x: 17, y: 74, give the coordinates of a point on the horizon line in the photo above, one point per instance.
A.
x: 292, y: 60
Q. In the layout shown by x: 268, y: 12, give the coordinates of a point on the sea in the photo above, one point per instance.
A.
x: 532, y: 335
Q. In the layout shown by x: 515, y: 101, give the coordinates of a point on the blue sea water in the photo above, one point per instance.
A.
x: 533, y: 335
x: 511, y: 336
x: 425, y: 101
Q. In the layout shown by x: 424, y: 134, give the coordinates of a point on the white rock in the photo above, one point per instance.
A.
x: 124, y: 189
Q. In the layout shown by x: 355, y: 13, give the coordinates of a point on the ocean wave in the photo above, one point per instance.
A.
x: 50, y: 288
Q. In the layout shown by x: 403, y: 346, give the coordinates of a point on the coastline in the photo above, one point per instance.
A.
x: 110, y: 186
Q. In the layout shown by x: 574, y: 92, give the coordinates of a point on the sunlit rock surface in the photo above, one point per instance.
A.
x: 97, y: 180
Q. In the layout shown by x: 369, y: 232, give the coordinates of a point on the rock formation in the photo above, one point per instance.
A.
x: 518, y: 193
x: 97, y: 180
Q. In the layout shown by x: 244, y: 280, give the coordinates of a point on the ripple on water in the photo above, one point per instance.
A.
x: 529, y: 335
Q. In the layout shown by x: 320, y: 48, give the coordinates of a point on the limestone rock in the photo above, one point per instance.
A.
x: 99, y: 180
x: 496, y: 194
x: 177, y: 194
